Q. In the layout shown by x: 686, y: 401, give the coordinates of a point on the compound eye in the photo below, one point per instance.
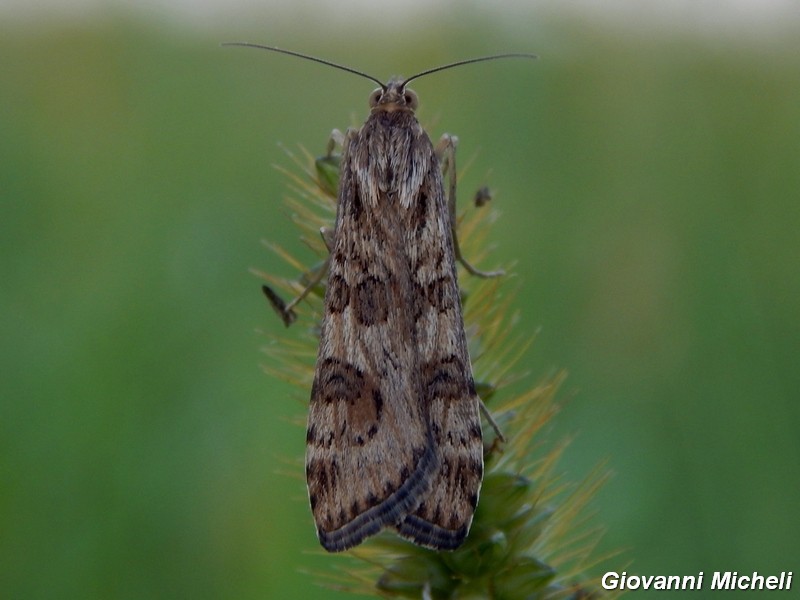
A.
x: 375, y: 97
x: 411, y: 99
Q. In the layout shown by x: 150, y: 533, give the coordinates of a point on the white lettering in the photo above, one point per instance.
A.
x: 758, y: 580
x: 662, y: 583
x: 721, y: 581
x: 610, y: 580
x: 690, y: 581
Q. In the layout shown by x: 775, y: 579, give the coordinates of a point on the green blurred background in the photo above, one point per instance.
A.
x: 647, y: 178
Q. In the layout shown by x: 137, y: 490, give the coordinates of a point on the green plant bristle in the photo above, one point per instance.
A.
x: 530, y: 537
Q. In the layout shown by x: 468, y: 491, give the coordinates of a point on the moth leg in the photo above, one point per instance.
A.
x: 336, y: 139
x: 426, y: 591
x: 483, y: 196
x: 485, y: 391
x: 446, y: 153
x: 492, y: 422
x: 285, y: 311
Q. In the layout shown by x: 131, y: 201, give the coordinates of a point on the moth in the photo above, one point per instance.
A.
x: 394, y: 431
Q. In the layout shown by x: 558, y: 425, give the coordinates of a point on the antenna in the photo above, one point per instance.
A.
x: 468, y: 61
x: 370, y: 77
x: 307, y: 57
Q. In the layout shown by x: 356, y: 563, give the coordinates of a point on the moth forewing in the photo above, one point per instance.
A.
x: 443, y: 518
x: 394, y: 433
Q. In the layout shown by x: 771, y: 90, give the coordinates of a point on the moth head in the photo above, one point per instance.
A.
x: 393, y: 96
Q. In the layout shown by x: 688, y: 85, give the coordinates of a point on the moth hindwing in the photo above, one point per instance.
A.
x: 394, y: 433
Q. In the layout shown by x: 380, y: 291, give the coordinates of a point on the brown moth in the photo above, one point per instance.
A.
x: 394, y: 431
